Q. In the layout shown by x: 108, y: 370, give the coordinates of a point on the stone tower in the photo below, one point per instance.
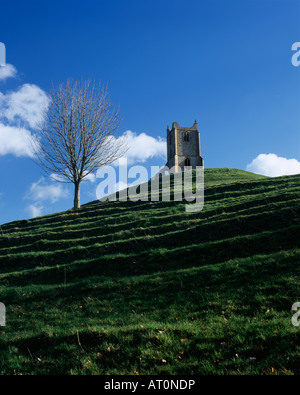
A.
x: 183, y: 147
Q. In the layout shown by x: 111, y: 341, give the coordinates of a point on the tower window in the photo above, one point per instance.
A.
x: 187, y: 162
x: 186, y: 136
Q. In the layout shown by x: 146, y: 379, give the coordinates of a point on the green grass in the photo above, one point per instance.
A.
x: 146, y: 288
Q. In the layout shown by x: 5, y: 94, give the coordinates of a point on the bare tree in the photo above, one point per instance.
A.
x: 77, y: 133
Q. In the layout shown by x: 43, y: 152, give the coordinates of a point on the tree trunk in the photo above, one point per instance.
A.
x: 77, y: 195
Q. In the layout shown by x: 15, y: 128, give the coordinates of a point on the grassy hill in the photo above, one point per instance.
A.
x: 146, y: 288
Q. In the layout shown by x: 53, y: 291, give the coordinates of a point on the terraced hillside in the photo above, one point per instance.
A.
x: 145, y: 287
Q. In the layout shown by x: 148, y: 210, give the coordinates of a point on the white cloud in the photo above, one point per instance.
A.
x: 143, y: 147
x: 273, y: 166
x: 24, y: 105
x: 41, y: 191
x: 35, y: 210
x: 15, y: 141
x: 57, y: 177
x: 41, y: 194
x: 90, y: 177
x: 20, y: 110
x: 7, y: 71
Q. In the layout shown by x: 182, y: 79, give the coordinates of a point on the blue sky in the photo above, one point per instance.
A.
x: 225, y: 63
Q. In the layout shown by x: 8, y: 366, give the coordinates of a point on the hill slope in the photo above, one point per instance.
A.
x: 145, y: 287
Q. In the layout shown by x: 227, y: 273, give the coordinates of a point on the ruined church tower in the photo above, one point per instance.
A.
x: 183, y: 147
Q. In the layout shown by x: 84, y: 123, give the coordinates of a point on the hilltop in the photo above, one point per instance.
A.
x: 146, y: 288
